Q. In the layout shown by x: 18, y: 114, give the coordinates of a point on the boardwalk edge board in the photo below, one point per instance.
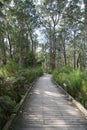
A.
x: 77, y: 104
x: 17, y: 108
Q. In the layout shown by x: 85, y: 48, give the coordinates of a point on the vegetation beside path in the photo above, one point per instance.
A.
x: 74, y: 82
x: 13, y: 85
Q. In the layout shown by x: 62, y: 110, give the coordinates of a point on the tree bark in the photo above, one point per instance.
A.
x: 21, y: 49
x: 64, y: 51
x: 78, y: 59
x: 52, y: 52
x: 50, y: 42
x: 74, y: 52
x: 4, y: 60
x: 10, y: 46
x: 9, y: 39
x: 32, y: 47
x: 85, y: 27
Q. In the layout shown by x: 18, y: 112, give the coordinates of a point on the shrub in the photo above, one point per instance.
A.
x: 74, y: 85
x: 39, y: 71
x: 14, y: 82
x: 73, y: 81
x: 11, y: 67
x: 6, y: 108
x: 84, y: 93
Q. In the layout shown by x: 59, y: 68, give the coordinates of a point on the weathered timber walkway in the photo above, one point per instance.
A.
x: 47, y: 108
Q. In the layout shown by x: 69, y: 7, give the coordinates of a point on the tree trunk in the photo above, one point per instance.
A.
x: 28, y: 43
x: 74, y: 52
x: 53, y: 60
x: 65, y: 58
x: 32, y: 47
x: 64, y: 52
x: 78, y: 59
x: 10, y: 47
x: 50, y: 42
x: 85, y: 27
x: 60, y: 63
x: 9, y: 39
x: 4, y: 60
x: 21, y: 49
x: 52, y: 53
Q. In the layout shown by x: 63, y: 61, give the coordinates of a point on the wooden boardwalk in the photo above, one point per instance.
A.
x: 47, y: 108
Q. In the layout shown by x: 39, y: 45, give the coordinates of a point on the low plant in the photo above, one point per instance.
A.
x: 13, y: 86
x: 73, y: 81
x: 6, y: 107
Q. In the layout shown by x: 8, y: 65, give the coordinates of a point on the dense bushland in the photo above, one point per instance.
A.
x: 14, y: 82
x: 74, y: 82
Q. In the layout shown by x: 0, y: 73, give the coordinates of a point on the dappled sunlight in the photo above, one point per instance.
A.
x: 52, y: 94
x: 46, y: 78
x: 37, y: 92
x: 49, y: 109
x: 72, y: 112
x: 33, y: 117
x: 57, y: 122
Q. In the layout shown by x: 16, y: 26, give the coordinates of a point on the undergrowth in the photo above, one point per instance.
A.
x: 74, y: 82
x: 14, y: 82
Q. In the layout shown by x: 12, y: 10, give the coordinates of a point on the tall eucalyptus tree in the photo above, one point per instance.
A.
x: 50, y: 15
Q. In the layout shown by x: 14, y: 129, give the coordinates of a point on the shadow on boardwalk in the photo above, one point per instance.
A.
x: 47, y: 108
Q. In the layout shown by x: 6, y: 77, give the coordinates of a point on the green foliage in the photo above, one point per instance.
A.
x: 74, y: 82
x: 66, y: 70
x: 39, y: 71
x: 49, y: 71
x: 7, y: 104
x: 13, y: 86
x: 28, y: 59
x: 60, y: 75
x: 6, y: 108
x: 11, y: 67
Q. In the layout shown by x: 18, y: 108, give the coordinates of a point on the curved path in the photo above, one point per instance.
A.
x: 47, y: 108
